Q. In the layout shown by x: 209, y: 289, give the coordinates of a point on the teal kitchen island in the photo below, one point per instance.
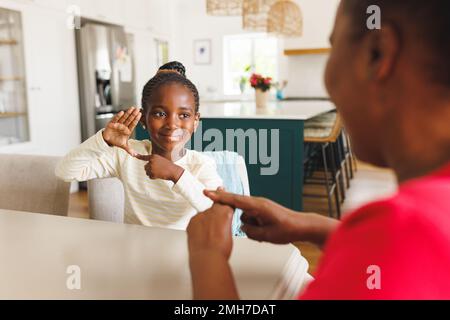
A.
x: 270, y: 140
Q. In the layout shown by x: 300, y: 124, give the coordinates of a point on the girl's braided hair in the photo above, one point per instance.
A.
x: 172, y: 72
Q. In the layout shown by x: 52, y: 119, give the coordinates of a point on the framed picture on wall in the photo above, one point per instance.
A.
x: 202, y: 51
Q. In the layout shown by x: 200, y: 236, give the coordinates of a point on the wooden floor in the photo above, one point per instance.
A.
x: 369, y: 183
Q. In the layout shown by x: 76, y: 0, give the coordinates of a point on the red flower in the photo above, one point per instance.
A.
x: 257, y: 81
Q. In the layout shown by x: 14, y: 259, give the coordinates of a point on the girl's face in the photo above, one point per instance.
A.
x: 171, y: 118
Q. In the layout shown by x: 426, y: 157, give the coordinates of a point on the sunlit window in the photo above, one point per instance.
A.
x: 245, y: 54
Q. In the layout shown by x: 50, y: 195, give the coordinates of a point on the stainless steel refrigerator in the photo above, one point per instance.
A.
x: 105, y: 74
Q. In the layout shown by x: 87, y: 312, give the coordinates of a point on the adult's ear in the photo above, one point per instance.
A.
x: 383, y: 50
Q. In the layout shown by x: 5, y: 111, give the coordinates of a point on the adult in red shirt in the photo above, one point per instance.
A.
x: 391, y: 87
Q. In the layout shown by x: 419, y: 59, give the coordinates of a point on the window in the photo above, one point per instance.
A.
x: 255, y: 52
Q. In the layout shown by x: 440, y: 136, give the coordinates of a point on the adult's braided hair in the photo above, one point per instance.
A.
x: 172, y: 72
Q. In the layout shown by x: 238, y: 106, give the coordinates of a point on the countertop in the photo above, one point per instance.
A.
x: 279, y: 110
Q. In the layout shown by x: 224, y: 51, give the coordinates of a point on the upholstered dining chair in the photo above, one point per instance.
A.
x: 28, y: 183
x: 106, y: 196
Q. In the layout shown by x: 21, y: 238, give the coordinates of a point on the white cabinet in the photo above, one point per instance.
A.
x: 51, y: 80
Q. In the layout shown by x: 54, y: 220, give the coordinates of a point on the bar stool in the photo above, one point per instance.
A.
x: 349, y: 155
x: 321, y: 135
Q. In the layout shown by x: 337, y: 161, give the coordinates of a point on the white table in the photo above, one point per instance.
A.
x: 120, y: 261
x: 276, y: 110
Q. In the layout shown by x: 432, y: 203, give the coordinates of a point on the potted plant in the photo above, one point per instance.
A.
x: 262, y: 87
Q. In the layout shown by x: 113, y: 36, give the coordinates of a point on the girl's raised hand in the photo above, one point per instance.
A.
x: 118, y: 131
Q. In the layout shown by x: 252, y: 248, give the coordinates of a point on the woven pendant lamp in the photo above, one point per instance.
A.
x: 285, y: 18
x: 224, y: 7
x: 255, y: 14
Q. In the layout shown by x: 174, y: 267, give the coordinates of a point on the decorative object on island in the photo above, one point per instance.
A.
x: 255, y: 14
x: 262, y: 87
x: 224, y: 7
x: 285, y: 18
x: 202, y: 51
x: 280, y: 86
x: 244, y: 79
x: 13, y: 99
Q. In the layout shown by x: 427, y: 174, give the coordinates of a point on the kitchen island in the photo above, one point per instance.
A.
x: 270, y: 139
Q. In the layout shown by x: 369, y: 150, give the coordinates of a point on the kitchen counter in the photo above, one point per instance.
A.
x: 279, y: 110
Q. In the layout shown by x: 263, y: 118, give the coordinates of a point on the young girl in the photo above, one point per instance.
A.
x: 163, y: 181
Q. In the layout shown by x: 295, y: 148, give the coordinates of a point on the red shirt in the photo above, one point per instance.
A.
x: 406, y: 240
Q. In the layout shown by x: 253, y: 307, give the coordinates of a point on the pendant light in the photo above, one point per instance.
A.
x: 255, y: 14
x: 285, y: 18
x: 224, y: 7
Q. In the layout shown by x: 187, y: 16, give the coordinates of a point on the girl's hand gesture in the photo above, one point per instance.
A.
x: 160, y: 168
x: 119, y: 129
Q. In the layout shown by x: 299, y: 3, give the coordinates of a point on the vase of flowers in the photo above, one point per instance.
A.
x: 262, y: 87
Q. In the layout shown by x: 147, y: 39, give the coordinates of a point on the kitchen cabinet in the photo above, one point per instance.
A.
x: 52, y: 81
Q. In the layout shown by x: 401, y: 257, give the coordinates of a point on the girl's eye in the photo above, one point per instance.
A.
x: 159, y: 114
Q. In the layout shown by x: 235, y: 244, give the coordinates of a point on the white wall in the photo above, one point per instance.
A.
x: 318, y: 21
x: 50, y: 59
x: 303, y: 73
x: 192, y: 23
